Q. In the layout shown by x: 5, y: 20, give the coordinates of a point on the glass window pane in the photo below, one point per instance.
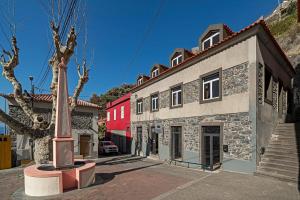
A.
x: 215, y: 88
x: 179, y: 59
x: 206, y: 44
x: 211, y: 77
x: 179, y: 98
x: 174, y: 62
x: 216, y: 39
x: 174, y: 99
x: 206, y: 91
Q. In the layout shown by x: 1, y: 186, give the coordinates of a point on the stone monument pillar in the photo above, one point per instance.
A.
x: 63, y: 143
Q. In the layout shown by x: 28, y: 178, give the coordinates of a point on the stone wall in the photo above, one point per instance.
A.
x: 237, y: 132
x: 275, y: 94
x: 80, y: 120
x: 235, y: 80
x: 191, y: 91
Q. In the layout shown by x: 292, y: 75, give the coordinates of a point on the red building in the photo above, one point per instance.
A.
x: 118, y: 123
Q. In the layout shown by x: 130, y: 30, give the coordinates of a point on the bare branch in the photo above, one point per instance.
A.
x: 8, y: 73
x: 17, y: 126
x: 71, y: 44
x: 83, y: 79
x: 56, y: 39
x: 64, y: 52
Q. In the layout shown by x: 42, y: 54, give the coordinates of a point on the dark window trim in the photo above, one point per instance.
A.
x: 201, y: 101
x: 139, y: 99
x: 172, y: 87
x: 152, y: 94
x: 266, y: 100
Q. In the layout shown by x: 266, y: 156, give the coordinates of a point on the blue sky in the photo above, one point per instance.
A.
x: 126, y: 36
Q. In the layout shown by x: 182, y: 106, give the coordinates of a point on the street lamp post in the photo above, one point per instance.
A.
x: 31, y: 99
x: 32, y: 90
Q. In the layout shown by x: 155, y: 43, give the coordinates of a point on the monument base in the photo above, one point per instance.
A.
x: 46, y: 180
x: 63, y: 155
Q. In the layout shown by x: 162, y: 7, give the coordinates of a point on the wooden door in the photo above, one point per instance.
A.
x: 85, y: 145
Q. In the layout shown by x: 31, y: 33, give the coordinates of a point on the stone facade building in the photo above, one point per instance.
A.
x: 84, y: 127
x: 215, y: 107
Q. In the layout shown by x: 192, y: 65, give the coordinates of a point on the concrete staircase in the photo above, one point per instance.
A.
x: 281, y: 158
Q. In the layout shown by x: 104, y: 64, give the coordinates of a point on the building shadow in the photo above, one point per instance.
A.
x: 102, y: 178
x: 120, y: 160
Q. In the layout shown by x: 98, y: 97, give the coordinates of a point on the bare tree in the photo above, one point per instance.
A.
x: 41, y: 131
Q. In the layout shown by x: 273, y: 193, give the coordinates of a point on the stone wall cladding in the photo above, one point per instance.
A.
x: 164, y: 99
x: 275, y: 94
x: 237, y: 132
x: 260, y: 84
x: 80, y: 120
x: 191, y: 91
x: 235, y: 79
x: 146, y: 104
x: 133, y: 107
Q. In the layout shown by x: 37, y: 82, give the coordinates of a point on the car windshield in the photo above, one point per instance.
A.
x: 107, y: 143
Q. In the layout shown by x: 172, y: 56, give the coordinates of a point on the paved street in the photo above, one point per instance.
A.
x: 129, y: 178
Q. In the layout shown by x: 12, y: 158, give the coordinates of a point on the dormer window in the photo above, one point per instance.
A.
x: 140, y: 81
x: 177, y: 60
x: 214, y: 38
x: 154, y: 73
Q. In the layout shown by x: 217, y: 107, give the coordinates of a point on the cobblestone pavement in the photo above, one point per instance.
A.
x: 132, y: 178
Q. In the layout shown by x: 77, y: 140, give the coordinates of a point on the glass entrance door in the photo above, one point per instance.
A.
x: 176, y: 132
x: 154, y: 142
x: 139, y: 140
x: 211, y: 136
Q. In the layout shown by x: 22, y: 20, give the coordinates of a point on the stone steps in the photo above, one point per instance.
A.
x: 283, y: 151
x: 292, y: 175
x: 281, y: 158
x: 292, y: 162
x: 280, y: 145
x: 277, y: 176
x: 294, y: 167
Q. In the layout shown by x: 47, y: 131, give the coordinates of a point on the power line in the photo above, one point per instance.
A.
x: 62, y: 36
x: 146, y: 34
x: 45, y: 64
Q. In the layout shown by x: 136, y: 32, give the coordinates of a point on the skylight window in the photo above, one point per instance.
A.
x: 140, y: 81
x: 177, y: 60
x: 154, y: 73
x: 211, y: 40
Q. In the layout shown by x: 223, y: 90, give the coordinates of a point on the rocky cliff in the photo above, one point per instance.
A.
x: 283, y: 25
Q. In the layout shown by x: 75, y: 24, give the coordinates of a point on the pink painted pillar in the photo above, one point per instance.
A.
x: 63, y: 143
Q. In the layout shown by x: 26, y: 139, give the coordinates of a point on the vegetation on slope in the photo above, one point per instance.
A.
x: 278, y: 28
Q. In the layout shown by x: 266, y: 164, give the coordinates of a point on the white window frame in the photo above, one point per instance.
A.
x: 108, y: 116
x: 155, y: 73
x: 177, y: 60
x: 210, y: 38
x: 140, y: 107
x: 140, y: 81
x: 155, y: 99
x: 210, y: 88
x: 122, y: 112
x: 176, y: 96
x: 115, y: 114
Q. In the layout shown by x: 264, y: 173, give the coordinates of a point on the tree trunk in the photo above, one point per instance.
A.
x: 42, y: 150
